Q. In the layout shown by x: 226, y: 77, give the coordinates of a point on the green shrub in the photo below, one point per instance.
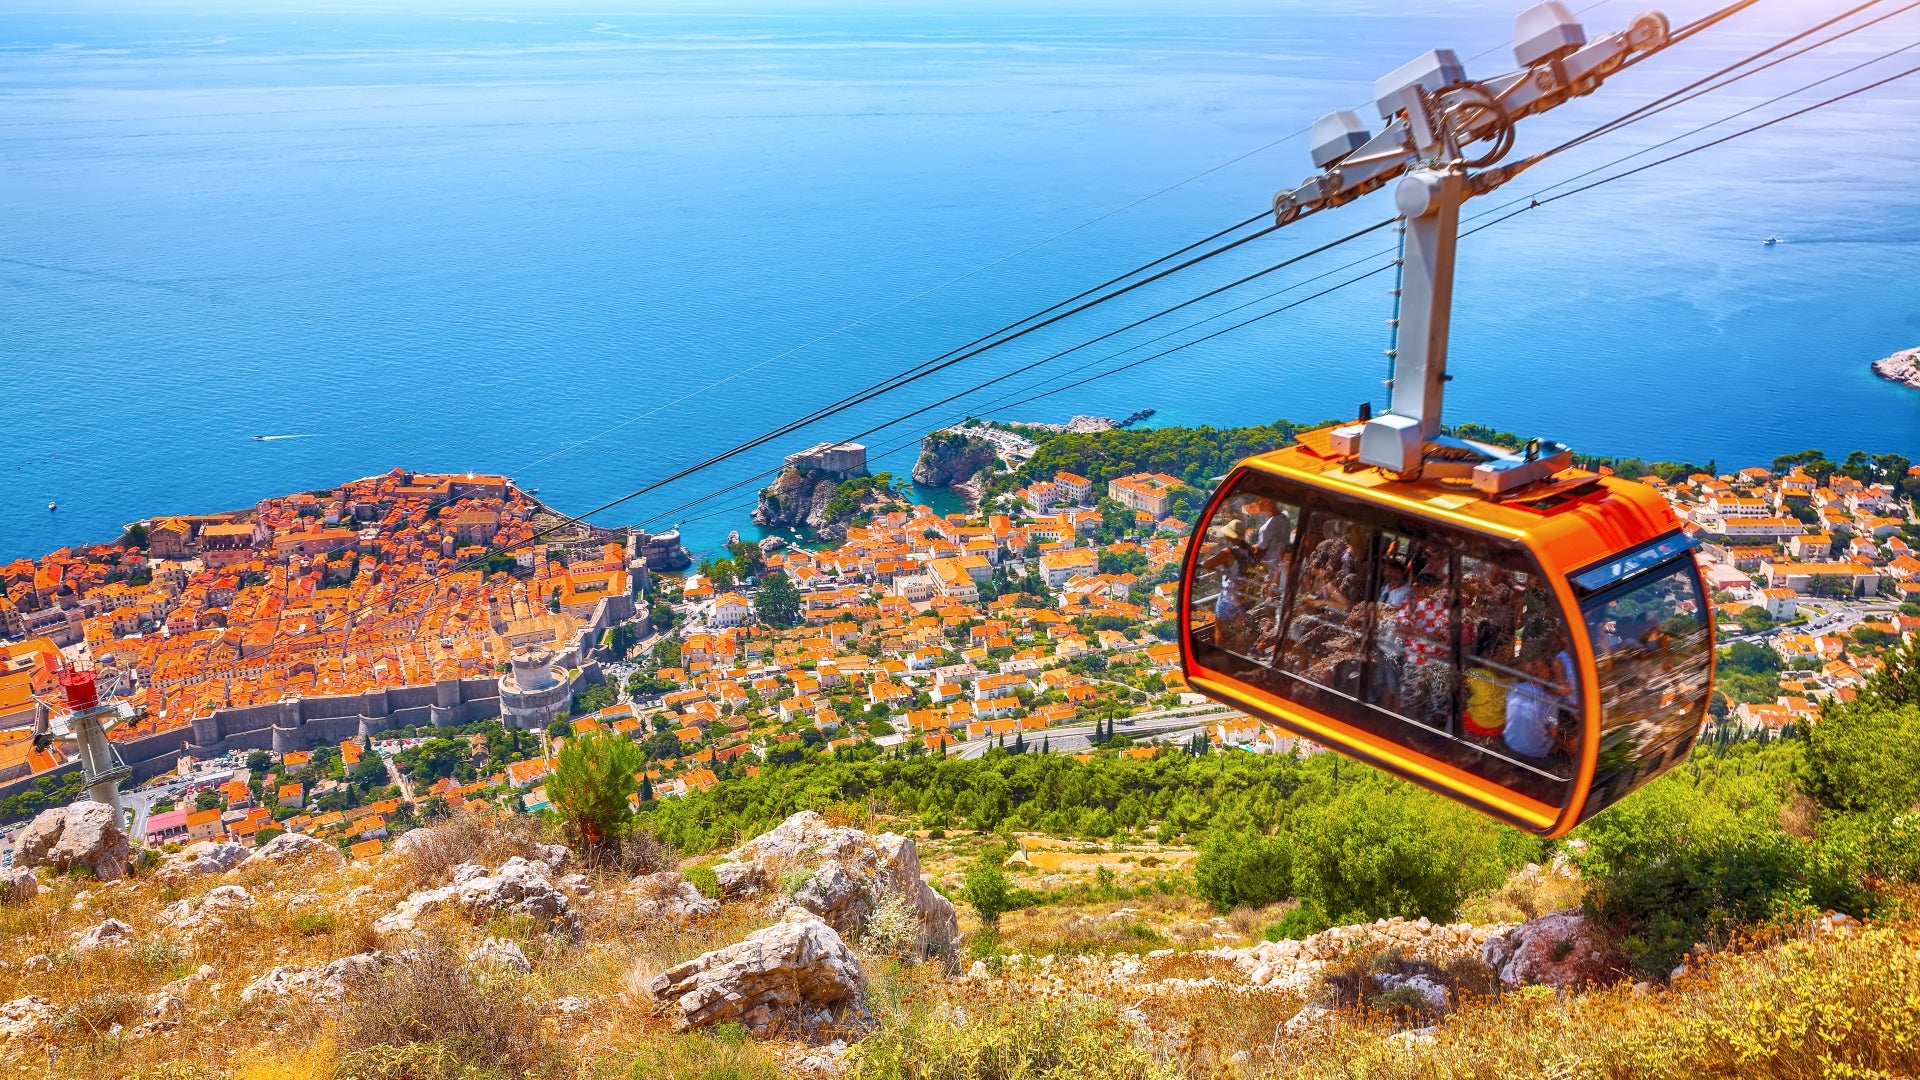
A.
x: 703, y: 878
x: 1302, y: 922
x: 1862, y: 759
x: 1700, y: 852
x: 313, y: 923
x: 1382, y: 848
x: 987, y: 889
x: 590, y: 786
x: 1244, y: 871
x: 795, y: 879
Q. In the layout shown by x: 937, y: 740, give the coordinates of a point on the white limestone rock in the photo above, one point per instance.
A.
x: 109, y: 934
x: 1559, y: 950
x: 499, y: 953
x: 221, y: 908
x: 26, y: 1017
x: 203, y: 857
x: 325, y: 983
x: 291, y: 846
x: 18, y: 885
x: 850, y: 872
x: 795, y: 974
x: 84, y: 834
x: 554, y: 856
x: 518, y: 887
x: 284, y: 980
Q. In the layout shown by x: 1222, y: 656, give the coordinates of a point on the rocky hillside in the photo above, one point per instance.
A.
x: 1901, y: 367
x: 949, y: 458
x: 475, y: 950
x: 820, y: 503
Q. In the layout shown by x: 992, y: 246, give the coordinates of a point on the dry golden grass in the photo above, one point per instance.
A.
x: 1138, y: 925
x: 1838, y: 1006
x: 1842, y: 1005
x: 1527, y: 894
x: 430, y: 859
x: 306, y: 916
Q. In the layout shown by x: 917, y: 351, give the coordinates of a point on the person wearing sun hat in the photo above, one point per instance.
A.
x: 1231, y: 556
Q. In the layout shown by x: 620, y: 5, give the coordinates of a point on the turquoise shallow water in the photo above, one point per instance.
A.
x: 473, y: 241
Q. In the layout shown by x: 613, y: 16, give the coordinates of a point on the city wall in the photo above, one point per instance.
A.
x: 305, y: 723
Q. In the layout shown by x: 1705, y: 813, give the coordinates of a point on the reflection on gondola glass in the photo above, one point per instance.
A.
x: 1327, y: 624
x: 1240, y: 580
x: 1654, y: 657
x: 1445, y: 643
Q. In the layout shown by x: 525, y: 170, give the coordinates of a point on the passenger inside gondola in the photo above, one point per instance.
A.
x: 1328, y: 622
x: 1427, y: 681
x: 1245, y: 561
x: 1531, y: 726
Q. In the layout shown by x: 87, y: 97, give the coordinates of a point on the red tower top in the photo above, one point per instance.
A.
x: 79, y: 686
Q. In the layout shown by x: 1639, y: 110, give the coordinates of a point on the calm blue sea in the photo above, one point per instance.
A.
x: 512, y: 240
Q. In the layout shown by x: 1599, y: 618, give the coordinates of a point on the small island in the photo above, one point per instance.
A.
x: 1901, y: 367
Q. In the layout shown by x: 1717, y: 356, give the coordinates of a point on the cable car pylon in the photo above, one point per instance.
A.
x: 1433, y: 111
x: 86, y: 724
x: 1522, y: 637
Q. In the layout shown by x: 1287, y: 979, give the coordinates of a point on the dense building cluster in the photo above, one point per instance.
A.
x: 1816, y: 568
x: 382, y: 582
x: 919, y: 633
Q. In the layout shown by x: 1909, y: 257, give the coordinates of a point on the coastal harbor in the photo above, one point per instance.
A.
x: 1901, y: 367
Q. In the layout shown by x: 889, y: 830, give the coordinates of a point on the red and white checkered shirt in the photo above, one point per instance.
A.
x: 1426, y: 630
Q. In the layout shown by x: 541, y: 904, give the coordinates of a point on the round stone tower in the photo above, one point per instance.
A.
x: 530, y: 694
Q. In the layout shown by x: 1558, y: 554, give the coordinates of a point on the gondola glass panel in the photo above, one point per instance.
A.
x: 1326, y: 625
x: 1240, y: 581
x: 1654, y: 656
x: 1442, y: 641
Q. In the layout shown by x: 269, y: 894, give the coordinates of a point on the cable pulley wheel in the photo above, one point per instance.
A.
x: 1462, y: 117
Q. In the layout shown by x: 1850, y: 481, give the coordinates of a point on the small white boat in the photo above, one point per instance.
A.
x: 52, y: 506
x: 1772, y: 240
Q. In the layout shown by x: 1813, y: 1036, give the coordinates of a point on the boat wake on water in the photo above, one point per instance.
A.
x: 273, y: 438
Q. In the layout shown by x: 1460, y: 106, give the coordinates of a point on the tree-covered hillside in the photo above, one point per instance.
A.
x: 1195, y: 455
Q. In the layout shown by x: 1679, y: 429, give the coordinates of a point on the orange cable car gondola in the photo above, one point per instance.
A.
x: 1536, y: 659
x: 1524, y: 637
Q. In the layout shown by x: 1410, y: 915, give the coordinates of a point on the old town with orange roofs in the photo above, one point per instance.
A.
x: 346, y: 663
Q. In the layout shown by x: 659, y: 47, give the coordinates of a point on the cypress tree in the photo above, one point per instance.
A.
x: 646, y: 788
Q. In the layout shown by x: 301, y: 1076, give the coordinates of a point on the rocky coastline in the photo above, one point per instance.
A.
x: 1901, y: 367
x: 948, y: 458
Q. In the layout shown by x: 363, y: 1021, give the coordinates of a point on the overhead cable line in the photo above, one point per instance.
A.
x: 884, y: 386
x: 1837, y: 98
x: 1679, y: 96
x: 1708, y: 21
x: 1776, y: 99
x: 1031, y: 365
x: 1496, y: 221
x: 947, y: 360
x: 976, y: 341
